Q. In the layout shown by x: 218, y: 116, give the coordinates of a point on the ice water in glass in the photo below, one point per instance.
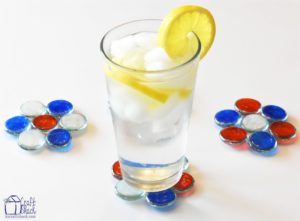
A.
x: 150, y: 99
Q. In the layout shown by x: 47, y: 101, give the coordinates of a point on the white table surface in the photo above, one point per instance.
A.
x: 50, y: 50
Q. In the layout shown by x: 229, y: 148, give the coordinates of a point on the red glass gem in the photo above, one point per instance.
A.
x: 117, y: 170
x: 186, y: 193
x: 185, y: 183
x: 285, y: 132
x: 248, y: 105
x: 45, y: 122
x: 233, y: 135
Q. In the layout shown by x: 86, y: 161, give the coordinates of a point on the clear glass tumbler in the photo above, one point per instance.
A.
x: 150, y: 112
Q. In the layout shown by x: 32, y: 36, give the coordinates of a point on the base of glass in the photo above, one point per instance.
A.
x: 153, y: 179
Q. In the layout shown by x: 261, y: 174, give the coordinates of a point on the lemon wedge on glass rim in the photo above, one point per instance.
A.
x: 174, y: 31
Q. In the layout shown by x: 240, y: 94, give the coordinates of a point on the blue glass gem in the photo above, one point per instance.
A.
x: 225, y: 118
x: 262, y: 142
x: 60, y: 107
x: 63, y: 149
x: 274, y: 113
x: 162, y: 199
x: 17, y: 124
x: 59, y: 138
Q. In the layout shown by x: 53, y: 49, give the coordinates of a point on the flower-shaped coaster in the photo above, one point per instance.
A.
x: 53, y: 125
x: 162, y: 200
x: 254, y: 127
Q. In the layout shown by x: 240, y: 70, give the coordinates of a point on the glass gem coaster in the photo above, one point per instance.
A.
x: 247, y: 106
x: 254, y: 122
x: 116, y: 170
x: 73, y: 122
x: 127, y: 192
x: 263, y: 143
x: 284, y: 132
x: 274, y: 113
x: 44, y: 122
x: 233, y: 135
x: 161, y: 200
x: 33, y: 108
x: 225, y: 118
x: 31, y: 140
x: 59, y: 138
x: 17, y: 125
x: 60, y: 107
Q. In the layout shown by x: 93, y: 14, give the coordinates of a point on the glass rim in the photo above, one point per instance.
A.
x: 195, y: 56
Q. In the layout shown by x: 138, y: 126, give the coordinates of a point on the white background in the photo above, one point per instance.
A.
x: 50, y: 50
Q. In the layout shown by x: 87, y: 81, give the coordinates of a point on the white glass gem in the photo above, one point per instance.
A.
x: 254, y: 122
x: 73, y: 122
x: 127, y: 192
x: 33, y: 108
x: 31, y: 139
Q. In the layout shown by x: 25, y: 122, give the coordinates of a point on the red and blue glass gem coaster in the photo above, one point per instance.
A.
x: 255, y: 127
x: 50, y: 126
x: 162, y: 200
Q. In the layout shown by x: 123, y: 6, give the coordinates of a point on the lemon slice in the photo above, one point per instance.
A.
x: 160, y: 94
x: 174, y: 31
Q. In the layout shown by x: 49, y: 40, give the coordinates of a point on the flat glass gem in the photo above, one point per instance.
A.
x: 59, y: 138
x: 60, y: 107
x: 44, y: 122
x: 185, y: 183
x: 127, y: 192
x: 274, y: 113
x: 186, y: 163
x: 225, y: 118
x: 284, y: 132
x: 262, y: 141
x: 33, y: 108
x: 117, y: 170
x: 31, y: 140
x: 17, y: 125
x: 63, y: 149
x: 233, y: 135
x: 161, y: 199
x: 254, y: 122
x: 73, y: 122
x: 248, y: 105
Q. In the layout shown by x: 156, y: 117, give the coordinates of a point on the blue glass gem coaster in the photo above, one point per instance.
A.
x: 59, y: 138
x: 17, y: 125
x: 162, y: 200
x: 274, y: 113
x: 127, y: 192
x: 60, y: 107
x: 225, y: 118
x: 263, y: 143
x: 31, y: 140
x: 33, y: 108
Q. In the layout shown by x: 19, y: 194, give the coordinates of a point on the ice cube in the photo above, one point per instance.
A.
x: 119, y: 48
x: 135, y: 112
x: 127, y: 104
x: 117, y: 101
x: 146, y: 40
x: 134, y: 59
x: 157, y: 59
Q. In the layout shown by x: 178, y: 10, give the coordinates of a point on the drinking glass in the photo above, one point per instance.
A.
x: 150, y: 112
